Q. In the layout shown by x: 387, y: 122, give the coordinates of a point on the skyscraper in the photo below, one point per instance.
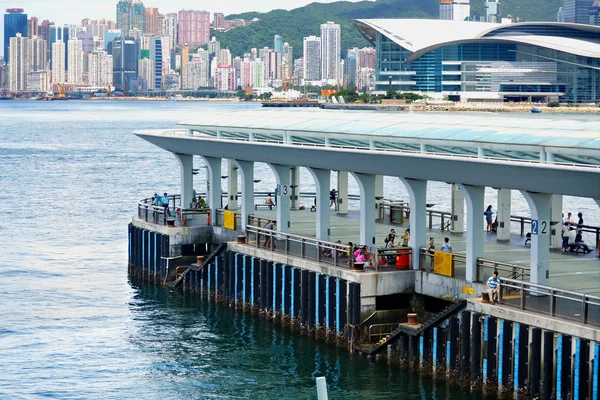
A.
x: 278, y: 43
x: 214, y: 47
x: 15, y: 21
x: 157, y: 56
x: 100, y: 70
x: 193, y: 27
x: 38, y: 54
x: 124, y: 16
x: 75, y: 61
x: 170, y: 29
x: 594, y: 13
x: 138, y: 17
x: 456, y: 10
x: 331, y: 47
x: 351, y: 66
x: 32, y: 27
x: 218, y: 21
x: 154, y: 22
x: 59, y: 33
x: 126, y: 53
x: 58, y: 61
x: 493, y: 12
x: 146, y: 71
x: 312, y: 58
x: 19, y: 67
x: 577, y: 11
x: 185, y: 59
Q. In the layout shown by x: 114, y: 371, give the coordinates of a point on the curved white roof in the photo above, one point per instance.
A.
x: 423, y: 35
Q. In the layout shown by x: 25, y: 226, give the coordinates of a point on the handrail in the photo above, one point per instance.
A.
x: 383, y: 333
x: 552, y: 301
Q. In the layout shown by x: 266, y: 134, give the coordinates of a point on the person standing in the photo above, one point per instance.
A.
x: 447, y: 247
x: 270, y: 226
x: 580, y: 223
x: 564, y: 234
x: 493, y: 288
x: 165, y: 204
x: 488, y: 218
x: 333, y: 199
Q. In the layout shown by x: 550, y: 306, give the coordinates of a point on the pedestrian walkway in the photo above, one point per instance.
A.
x: 577, y: 272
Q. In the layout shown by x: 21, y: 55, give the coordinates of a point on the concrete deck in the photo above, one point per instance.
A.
x: 577, y: 272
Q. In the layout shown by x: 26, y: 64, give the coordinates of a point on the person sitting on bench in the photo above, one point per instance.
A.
x: 576, y: 242
x: 314, y: 206
x: 269, y: 201
x: 493, y: 288
x: 527, y: 238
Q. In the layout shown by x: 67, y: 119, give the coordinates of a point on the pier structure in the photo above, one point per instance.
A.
x: 309, y: 282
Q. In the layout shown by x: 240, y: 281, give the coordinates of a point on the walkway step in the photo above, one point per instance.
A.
x: 211, y: 257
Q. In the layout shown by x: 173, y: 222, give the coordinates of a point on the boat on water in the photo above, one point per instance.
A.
x: 6, y: 96
x: 535, y: 110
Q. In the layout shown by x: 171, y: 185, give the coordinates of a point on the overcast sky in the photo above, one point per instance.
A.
x: 73, y: 11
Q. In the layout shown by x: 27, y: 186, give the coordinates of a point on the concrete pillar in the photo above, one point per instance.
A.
x: 549, y: 157
x: 378, y: 197
x: 423, y: 148
x: 213, y: 197
x: 294, y: 187
x: 458, y: 210
x: 474, y: 195
x: 417, y: 191
x: 232, y: 185
x: 186, y: 162
x: 539, y: 205
x: 503, y: 210
x: 342, y: 192
x: 282, y: 174
x: 327, y: 142
x: 247, y: 171
x: 322, y: 179
x: 480, y: 152
x: 542, y: 156
x: 556, y: 206
x: 366, y: 185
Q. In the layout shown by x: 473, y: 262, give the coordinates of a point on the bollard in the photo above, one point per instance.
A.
x: 536, y: 352
x: 475, y: 349
x: 563, y: 367
x: 548, y: 364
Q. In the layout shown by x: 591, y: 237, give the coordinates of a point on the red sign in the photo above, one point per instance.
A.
x: 14, y: 10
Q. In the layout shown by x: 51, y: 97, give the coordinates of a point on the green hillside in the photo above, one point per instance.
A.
x: 295, y: 24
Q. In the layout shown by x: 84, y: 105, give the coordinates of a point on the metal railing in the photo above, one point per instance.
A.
x: 162, y: 215
x: 572, y: 306
x: 377, y: 332
x: 316, y: 250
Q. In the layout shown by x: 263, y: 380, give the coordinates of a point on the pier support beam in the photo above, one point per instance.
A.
x: 247, y: 171
x: 342, y: 195
x: 232, y: 185
x: 556, y: 206
x: 294, y: 191
x: 322, y: 179
x: 186, y: 162
x: 214, y: 187
x: 366, y: 184
x: 539, y: 203
x: 458, y: 210
x: 417, y: 191
x: 282, y: 174
x: 378, y: 197
x: 474, y: 195
x: 503, y: 210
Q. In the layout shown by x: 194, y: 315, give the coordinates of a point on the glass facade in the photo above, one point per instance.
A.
x: 14, y: 22
x: 514, y: 71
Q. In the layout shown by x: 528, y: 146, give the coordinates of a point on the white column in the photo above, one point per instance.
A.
x: 539, y: 204
x: 503, y: 210
x: 232, y: 185
x: 366, y: 184
x: 417, y: 192
x: 247, y: 171
x: 480, y: 152
x: 342, y: 192
x: 556, y: 206
x: 294, y: 187
x: 458, y: 210
x: 474, y: 195
x: 186, y: 162
x: 542, y: 156
x: 322, y: 181
x: 282, y: 173
x: 378, y: 197
x: 214, y: 187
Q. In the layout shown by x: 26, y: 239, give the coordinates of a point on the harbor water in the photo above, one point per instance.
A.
x: 72, y: 323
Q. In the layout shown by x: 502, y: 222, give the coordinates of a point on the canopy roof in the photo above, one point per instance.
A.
x: 572, y: 139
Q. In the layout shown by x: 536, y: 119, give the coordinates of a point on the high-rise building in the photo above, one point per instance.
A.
x: 138, y: 17
x: 225, y: 78
x: 331, y: 48
x: 126, y: 53
x: 298, y: 75
x: 15, y: 21
x: 456, y: 10
x: 44, y: 31
x: 312, y: 58
x: 32, y: 27
x: 59, y: 60
x: 594, y: 13
x: 87, y: 41
x: 272, y: 62
x: 278, y: 43
x: 577, y: 11
x: 100, y: 69
x: 19, y: 66
x: 38, y: 54
x: 214, y: 47
x: 59, y: 33
x: 225, y: 57
x: 154, y: 22
x: 185, y: 59
x: 219, y: 21
x: 367, y: 58
x: 146, y: 71
x: 170, y: 29
x: 75, y: 71
x: 351, y: 66
x: 196, y: 75
x: 124, y: 15
x: 109, y: 36
x: 157, y: 57
x: 193, y: 27
x: 38, y: 81
x: 493, y: 11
